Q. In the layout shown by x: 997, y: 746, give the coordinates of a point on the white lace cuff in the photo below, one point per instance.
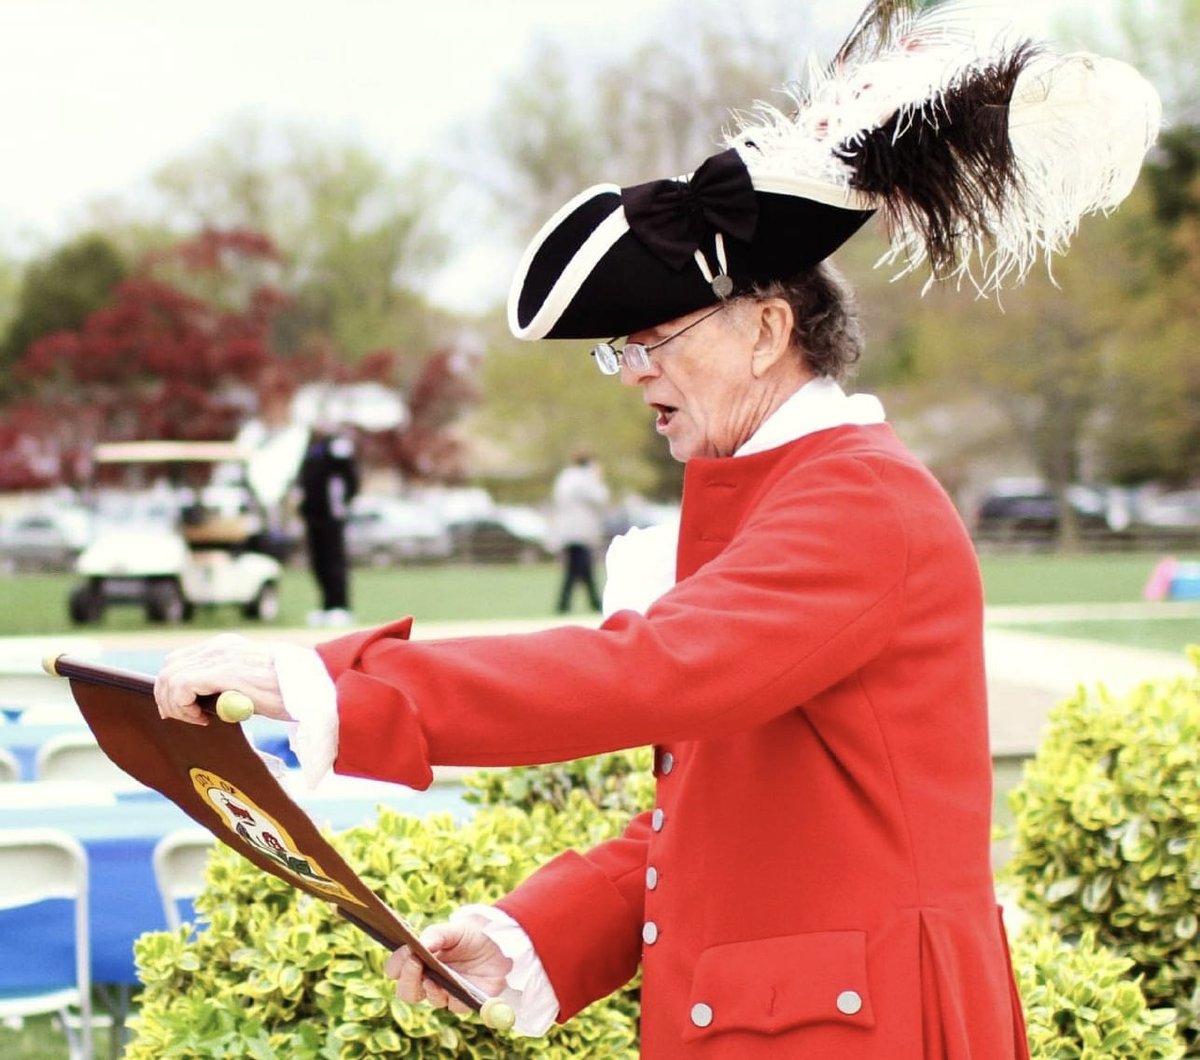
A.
x: 309, y: 696
x: 528, y: 987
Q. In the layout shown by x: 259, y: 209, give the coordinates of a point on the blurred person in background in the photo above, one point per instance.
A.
x: 805, y: 650
x: 328, y: 481
x: 580, y: 496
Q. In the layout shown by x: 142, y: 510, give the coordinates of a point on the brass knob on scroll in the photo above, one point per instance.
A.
x: 498, y: 1015
x: 234, y: 706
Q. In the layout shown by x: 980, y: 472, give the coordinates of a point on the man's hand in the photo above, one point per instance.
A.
x: 225, y: 662
x: 463, y: 947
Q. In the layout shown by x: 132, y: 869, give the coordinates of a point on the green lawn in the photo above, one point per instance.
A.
x: 1094, y: 578
x: 36, y: 604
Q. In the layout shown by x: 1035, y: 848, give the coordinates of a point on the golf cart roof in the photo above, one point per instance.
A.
x: 169, y: 452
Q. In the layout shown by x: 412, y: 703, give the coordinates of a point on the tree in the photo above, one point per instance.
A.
x: 357, y: 241
x: 58, y: 292
x: 157, y: 361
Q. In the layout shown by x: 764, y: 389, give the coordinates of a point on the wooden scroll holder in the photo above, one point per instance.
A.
x: 216, y: 777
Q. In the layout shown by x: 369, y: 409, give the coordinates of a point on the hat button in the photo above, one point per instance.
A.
x: 722, y: 286
x: 849, y: 1002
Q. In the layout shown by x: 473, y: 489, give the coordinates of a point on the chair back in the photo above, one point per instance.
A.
x: 10, y: 768
x: 37, y: 864
x: 40, y: 793
x: 76, y: 756
x: 180, y: 858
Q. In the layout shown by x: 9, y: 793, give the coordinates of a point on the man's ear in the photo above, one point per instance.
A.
x: 772, y: 322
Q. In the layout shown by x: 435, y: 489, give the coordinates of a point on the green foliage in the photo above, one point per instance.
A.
x: 621, y: 781
x: 58, y: 292
x: 1080, y: 1003
x: 1107, y: 833
x: 274, y: 973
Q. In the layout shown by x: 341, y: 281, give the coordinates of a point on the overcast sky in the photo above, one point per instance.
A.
x: 98, y: 94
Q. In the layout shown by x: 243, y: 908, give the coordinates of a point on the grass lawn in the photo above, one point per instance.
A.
x: 1045, y: 578
x: 41, y: 1039
x: 36, y: 604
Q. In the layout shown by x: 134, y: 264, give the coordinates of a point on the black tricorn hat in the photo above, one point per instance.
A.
x: 616, y: 260
x: 980, y: 150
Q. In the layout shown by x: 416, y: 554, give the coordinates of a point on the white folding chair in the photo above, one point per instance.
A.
x: 37, y: 864
x: 35, y: 794
x: 180, y: 858
x: 77, y: 756
x: 10, y: 768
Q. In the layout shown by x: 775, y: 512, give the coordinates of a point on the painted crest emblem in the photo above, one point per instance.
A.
x: 245, y: 818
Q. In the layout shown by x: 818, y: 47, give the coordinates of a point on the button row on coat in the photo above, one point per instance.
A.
x: 666, y: 762
x: 849, y: 1003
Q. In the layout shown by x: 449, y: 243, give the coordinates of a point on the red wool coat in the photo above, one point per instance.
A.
x: 815, y: 879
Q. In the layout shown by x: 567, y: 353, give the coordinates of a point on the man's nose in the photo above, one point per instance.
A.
x: 634, y: 376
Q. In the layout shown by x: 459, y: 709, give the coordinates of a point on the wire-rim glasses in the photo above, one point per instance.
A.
x: 635, y: 355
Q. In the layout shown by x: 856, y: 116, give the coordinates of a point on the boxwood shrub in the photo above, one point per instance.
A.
x: 1107, y: 833
x: 1080, y: 1003
x: 274, y: 973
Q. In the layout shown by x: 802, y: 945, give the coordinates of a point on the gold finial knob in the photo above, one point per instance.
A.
x: 498, y: 1014
x: 234, y: 706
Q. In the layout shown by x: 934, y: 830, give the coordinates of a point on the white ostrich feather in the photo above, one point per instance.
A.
x: 1079, y: 127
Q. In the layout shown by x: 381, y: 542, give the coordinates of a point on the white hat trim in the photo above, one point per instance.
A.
x: 585, y: 259
x: 805, y: 188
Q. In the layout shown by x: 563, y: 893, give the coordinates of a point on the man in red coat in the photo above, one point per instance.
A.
x: 804, y: 651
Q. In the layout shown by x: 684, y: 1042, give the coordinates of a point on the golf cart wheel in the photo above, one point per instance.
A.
x: 86, y: 604
x: 265, y: 606
x: 165, y: 602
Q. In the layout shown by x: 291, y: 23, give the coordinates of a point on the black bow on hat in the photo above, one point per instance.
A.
x: 672, y: 218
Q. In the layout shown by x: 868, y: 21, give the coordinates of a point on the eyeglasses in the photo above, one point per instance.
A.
x: 634, y: 355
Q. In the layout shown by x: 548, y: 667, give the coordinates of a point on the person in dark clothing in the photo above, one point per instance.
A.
x: 328, y: 483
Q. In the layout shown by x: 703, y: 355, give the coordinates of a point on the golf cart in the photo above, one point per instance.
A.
x: 198, y: 538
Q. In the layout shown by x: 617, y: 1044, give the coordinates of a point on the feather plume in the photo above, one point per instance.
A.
x: 982, y: 150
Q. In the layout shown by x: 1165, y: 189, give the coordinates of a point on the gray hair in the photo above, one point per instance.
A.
x: 827, y: 330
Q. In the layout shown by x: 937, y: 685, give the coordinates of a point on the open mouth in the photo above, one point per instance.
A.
x: 663, y: 416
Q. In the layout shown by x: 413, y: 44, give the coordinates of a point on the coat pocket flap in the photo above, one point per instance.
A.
x: 770, y: 985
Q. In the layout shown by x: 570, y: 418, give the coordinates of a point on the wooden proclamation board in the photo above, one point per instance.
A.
x: 215, y: 775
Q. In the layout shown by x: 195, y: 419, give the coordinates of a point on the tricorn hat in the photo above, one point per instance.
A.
x: 980, y: 150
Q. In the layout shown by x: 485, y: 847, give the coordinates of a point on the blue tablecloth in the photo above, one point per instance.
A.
x: 35, y: 943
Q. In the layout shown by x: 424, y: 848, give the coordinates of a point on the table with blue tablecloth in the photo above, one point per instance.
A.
x: 123, y: 901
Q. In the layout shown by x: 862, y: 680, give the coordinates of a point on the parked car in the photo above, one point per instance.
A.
x: 505, y: 535
x: 44, y: 539
x: 383, y: 531
x: 1025, y: 509
x: 1179, y: 509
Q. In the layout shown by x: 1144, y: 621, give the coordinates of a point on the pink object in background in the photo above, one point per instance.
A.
x: 1158, y: 585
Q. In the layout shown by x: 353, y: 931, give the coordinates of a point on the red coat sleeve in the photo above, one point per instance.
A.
x: 587, y: 906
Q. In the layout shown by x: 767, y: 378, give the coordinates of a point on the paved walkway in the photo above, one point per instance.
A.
x: 1028, y: 673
